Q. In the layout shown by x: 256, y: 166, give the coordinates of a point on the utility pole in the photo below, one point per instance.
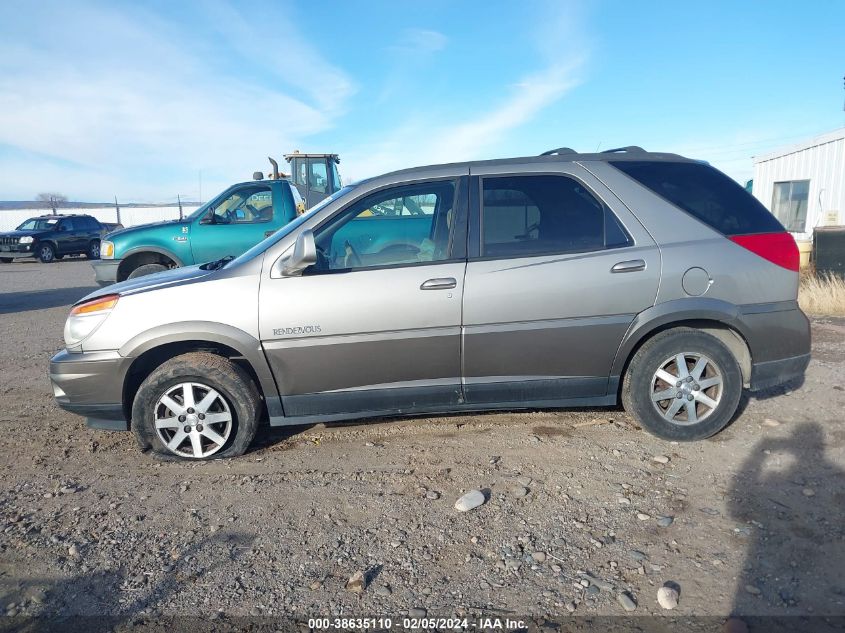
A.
x: 117, y: 210
x: 180, y: 206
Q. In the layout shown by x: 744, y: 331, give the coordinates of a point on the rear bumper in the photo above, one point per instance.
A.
x: 778, y: 372
x: 780, y: 343
x: 105, y: 271
x: 91, y: 385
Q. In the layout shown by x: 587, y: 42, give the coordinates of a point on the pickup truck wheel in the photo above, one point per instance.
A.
x: 147, y: 269
x: 46, y: 253
x: 196, y: 406
x: 683, y: 385
x: 93, y: 251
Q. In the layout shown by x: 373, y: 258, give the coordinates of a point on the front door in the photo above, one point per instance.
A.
x: 556, y: 274
x: 234, y: 225
x: 374, y: 326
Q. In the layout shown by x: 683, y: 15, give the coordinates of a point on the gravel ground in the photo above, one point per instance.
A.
x: 584, y: 513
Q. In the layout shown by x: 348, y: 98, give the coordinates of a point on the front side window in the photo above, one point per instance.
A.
x: 317, y: 177
x: 248, y: 205
x: 789, y: 204
x: 524, y: 216
x: 397, y: 226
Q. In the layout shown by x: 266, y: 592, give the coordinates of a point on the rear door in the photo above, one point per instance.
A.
x: 375, y: 324
x: 558, y: 268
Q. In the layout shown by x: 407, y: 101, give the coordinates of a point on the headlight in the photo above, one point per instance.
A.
x: 106, y: 250
x: 26, y: 239
x: 87, y: 317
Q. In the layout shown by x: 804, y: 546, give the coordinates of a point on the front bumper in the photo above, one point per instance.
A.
x: 17, y: 250
x: 90, y: 384
x: 105, y: 271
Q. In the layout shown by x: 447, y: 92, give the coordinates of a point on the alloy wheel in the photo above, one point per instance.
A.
x: 193, y: 420
x: 687, y: 388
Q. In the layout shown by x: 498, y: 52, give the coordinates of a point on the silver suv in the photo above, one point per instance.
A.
x: 560, y: 280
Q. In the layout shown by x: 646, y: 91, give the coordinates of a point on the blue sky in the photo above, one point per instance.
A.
x: 141, y: 99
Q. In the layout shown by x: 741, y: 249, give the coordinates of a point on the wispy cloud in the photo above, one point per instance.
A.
x: 561, y: 50
x: 419, y: 41
x: 143, y: 100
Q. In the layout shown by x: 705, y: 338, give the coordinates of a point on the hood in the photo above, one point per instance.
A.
x: 144, y: 227
x: 31, y: 232
x: 174, y: 276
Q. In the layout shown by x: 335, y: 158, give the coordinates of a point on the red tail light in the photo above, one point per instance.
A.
x: 778, y: 248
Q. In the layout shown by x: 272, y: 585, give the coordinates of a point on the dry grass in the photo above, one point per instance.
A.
x: 822, y: 294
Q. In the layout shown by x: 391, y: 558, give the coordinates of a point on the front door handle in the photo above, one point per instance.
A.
x: 441, y: 283
x: 628, y: 267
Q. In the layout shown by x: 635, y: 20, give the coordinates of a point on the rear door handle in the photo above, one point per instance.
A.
x: 440, y: 283
x: 628, y: 267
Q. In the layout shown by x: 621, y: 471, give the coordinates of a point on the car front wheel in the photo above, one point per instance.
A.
x: 147, y: 269
x: 683, y: 385
x: 196, y: 406
x: 93, y: 251
x: 46, y: 253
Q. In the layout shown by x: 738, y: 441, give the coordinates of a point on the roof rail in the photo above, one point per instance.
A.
x: 630, y: 149
x: 559, y: 151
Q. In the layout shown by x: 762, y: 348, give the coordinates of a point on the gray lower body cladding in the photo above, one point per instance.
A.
x: 504, y: 371
x: 779, y: 340
x: 91, y: 385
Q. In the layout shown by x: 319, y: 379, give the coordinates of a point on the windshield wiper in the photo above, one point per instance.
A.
x: 218, y: 264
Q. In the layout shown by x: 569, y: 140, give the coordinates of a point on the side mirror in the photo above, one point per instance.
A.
x: 304, y: 255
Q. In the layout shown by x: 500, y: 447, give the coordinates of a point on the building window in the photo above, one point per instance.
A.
x: 789, y: 204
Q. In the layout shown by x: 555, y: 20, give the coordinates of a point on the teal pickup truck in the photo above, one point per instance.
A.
x: 230, y: 224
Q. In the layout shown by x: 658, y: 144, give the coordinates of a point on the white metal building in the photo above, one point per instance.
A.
x: 804, y: 184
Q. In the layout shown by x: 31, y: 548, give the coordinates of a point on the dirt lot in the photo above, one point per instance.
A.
x: 579, y: 512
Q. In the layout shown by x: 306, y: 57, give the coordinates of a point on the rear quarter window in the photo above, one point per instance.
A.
x: 705, y: 193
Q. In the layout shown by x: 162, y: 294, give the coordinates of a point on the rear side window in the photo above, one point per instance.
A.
x: 535, y: 215
x: 705, y: 193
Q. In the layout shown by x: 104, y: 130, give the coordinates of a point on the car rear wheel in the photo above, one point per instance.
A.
x: 6, y: 260
x: 683, y: 385
x: 196, y: 406
x: 147, y: 269
x: 46, y: 253
x: 93, y: 251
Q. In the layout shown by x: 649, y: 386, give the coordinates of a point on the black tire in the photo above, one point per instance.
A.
x: 205, y: 368
x: 93, y: 251
x: 46, y: 253
x: 147, y: 269
x: 638, y: 385
x: 6, y: 260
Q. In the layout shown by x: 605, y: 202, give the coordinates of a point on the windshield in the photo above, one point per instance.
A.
x: 38, y: 224
x: 292, y: 226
